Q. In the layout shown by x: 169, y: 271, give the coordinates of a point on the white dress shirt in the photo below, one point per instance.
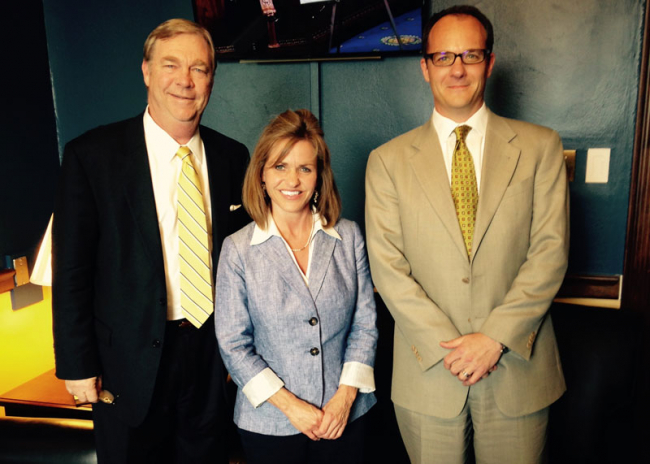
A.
x: 475, y: 139
x: 165, y: 169
x: 265, y: 384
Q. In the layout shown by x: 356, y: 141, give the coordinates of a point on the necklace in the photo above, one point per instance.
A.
x: 295, y: 250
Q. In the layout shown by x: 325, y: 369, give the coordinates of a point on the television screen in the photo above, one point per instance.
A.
x: 311, y: 29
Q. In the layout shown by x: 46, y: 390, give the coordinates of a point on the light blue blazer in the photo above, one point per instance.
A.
x: 262, y: 318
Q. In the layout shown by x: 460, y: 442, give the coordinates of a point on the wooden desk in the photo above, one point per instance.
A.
x: 43, y: 396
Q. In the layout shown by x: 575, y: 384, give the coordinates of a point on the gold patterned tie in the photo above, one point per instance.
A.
x: 194, y: 249
x: 463, y: 186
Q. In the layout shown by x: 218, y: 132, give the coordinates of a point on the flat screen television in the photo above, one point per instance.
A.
x: 286, y: 30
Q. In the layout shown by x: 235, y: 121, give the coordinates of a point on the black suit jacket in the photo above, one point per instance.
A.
x: 109, y: 292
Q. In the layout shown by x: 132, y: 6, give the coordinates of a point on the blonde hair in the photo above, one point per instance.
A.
x: 172, y: 28
x: 290, y: 128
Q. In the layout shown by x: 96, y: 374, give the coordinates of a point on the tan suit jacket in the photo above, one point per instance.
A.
x: 435, y: 293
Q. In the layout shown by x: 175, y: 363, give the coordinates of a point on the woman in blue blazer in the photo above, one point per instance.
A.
x: 295, y: 311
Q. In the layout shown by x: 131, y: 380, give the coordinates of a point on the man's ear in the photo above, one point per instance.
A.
x: 488, y: 70
x: 145, y: 72
x: 424, y: 68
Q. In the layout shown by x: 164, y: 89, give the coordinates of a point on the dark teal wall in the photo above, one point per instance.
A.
x: 95, y: 51
x: 572, y: 66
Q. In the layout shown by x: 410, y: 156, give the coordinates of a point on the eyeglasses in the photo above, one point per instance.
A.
x: 449, y: 58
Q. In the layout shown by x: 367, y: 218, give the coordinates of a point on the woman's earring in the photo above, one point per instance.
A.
x: 315, y: 198
x: 264, y: 189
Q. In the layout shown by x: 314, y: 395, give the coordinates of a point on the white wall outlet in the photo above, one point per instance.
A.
x: 598, y: 165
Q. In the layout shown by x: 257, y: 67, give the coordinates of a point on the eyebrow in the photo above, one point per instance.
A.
x: 200, y: 63
x: 174, y: 59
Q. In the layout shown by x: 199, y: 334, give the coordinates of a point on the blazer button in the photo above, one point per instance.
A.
x: 465, y: 280
x: 314, y: 351
x: 156, y: 343
x: 313, y: 321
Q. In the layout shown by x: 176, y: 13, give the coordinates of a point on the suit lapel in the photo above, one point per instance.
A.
x: 320, y: 261
x: 218, y: 169
x: 276, y: 253
x: 138, y: 188
x: 500, y: 159
x: 429, y: 167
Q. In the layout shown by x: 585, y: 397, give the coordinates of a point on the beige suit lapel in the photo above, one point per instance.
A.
x: 429, y: 165
x: 500, y: 158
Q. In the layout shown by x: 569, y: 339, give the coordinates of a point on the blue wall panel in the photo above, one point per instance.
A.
x: 247, y: 96
x: 365, y: 104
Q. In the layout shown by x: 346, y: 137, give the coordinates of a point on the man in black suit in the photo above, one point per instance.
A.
x: 119, y: 326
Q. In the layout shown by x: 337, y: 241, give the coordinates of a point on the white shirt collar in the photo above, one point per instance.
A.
x: 163, y: 145
x: 260, y: 235
x: 478, y: 123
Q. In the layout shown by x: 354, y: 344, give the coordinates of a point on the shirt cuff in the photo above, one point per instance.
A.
x: 359, y: 375
x: 262, y: 387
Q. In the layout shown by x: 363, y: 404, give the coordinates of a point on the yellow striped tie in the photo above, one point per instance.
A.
x: 463, y: 187
x: 194, y: 249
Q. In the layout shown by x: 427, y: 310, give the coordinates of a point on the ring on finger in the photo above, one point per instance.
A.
x: 465, y: 374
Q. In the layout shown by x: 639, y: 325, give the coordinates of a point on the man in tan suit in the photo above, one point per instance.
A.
x: 475, y: 362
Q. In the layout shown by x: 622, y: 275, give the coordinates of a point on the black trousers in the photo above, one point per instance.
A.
x: 189, y: 415
x: 299, y: 449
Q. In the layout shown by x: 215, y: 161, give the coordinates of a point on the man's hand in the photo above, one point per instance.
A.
x: 473, y: 357
x: 337, y: 411
x: 302, y: 415
x: 84, y: 390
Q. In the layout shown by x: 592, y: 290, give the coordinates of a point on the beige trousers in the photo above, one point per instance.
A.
x: 496, y: 438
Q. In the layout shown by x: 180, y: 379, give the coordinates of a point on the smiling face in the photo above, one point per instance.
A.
x: 178, y: 77
x: 290, y: 182
x: 458, y: 89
